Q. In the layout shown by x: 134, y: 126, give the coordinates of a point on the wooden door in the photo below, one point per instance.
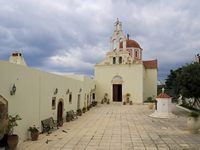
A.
x: 117, y: 92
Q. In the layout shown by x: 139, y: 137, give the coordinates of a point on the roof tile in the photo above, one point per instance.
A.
x: 150, y: 64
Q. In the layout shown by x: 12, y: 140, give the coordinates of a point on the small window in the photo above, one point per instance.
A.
x: 70, y: 98
x: 114, y: 60
x: 120, y: 60
x: 53, y: 103
x: 136, y: 54
x: 93, y: 95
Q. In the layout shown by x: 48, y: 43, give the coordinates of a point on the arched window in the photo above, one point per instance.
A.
x: 114, y: 60
x: 136, y: 54
x: 114, y: 44
x: 120, y: 60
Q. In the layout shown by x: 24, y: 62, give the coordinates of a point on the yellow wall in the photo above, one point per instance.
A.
x: 34, y: 92
x: 132, y: 77
x: 150, y: 83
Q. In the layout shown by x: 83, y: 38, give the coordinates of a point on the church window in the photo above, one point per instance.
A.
x: 53, y: 103
x: 120, y: 60
x: 93, y: 96
x: 114, y: 60
x: 136, y: 54
x: 70, y: 98
x: 114, y: 44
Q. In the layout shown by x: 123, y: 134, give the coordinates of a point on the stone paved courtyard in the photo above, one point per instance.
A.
x: 119, y: 127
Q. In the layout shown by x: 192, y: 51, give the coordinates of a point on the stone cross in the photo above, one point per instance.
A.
x: 163, y: 90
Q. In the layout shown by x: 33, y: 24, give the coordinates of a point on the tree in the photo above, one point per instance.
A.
x: 185, y: 81
x: 172, y: 84
x: 190, y: 83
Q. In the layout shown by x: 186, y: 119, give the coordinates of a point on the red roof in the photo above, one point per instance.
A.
x: 150, y: 64
x: 163, y: 95
x: 130, y: 43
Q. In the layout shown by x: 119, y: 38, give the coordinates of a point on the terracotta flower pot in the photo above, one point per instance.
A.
x: 34, y: 136
x: 12, y: 141
x: 193, y: 124
x: 151, y: 105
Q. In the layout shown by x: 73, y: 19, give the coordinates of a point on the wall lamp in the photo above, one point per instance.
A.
x: 67, y: 92
x: 80, y: 90
x: 13, y: 90
x: 56, y: 91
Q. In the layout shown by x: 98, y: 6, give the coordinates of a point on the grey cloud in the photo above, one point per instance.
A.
x: 166, y: 30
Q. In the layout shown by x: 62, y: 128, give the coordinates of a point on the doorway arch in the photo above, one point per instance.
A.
x: 60, y: 112
x: 117, y: 88
x: 3, y: 116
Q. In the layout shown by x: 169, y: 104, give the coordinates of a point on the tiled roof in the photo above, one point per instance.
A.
x: 130, y: 43
x: 150, y: 64
x: 163, y: 95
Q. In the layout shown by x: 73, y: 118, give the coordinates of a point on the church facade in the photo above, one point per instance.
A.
x: 123, y: 70
x: 36, y: 95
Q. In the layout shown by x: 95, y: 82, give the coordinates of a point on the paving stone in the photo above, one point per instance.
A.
x: 116, y: 126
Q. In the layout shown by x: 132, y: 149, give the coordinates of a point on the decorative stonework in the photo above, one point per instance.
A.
x: 117, y: 80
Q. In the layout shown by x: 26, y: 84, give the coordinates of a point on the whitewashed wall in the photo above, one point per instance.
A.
x: 35, y: 89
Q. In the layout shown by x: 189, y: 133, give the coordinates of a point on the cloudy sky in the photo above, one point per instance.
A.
x: 73, y: 35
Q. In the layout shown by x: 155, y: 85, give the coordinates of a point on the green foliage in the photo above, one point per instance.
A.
x: 172, y: 82
x: 149, y: 100
x: 194, y: 114
x: 12, y: 122
x: 128, y: 94
x: 185, y: 81
x: 33, y: 129
x: 190, y: 81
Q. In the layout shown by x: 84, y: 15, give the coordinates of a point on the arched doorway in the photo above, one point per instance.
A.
x: 60, y: 113
x: 3, y: 116
x: 117, y: 88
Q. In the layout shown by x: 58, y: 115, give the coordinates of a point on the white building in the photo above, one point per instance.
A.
x: 36, y: 95
x: 123, y: 70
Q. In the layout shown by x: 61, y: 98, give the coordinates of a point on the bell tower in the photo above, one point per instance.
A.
x: 117, y: 36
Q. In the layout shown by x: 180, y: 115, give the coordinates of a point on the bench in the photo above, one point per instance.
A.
x: 48, y: 124
x: 71, y: 115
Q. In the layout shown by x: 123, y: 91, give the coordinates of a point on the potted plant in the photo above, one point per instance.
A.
x: 79, y: 112
x: 34, y: 132
x: 124, y: 103
x: 12, y: 138
x: 94, y: 103
x: 88, y: 107
x: 127, y: 97
x: 150, y: 102
x: 105, y: 99
x: 108, y: 101
x: 131, y: 102
x: 60, y: 122
x: 68, y: 117
x: 193, y: 122
x: 102, y: 101
x: 84, y: 110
